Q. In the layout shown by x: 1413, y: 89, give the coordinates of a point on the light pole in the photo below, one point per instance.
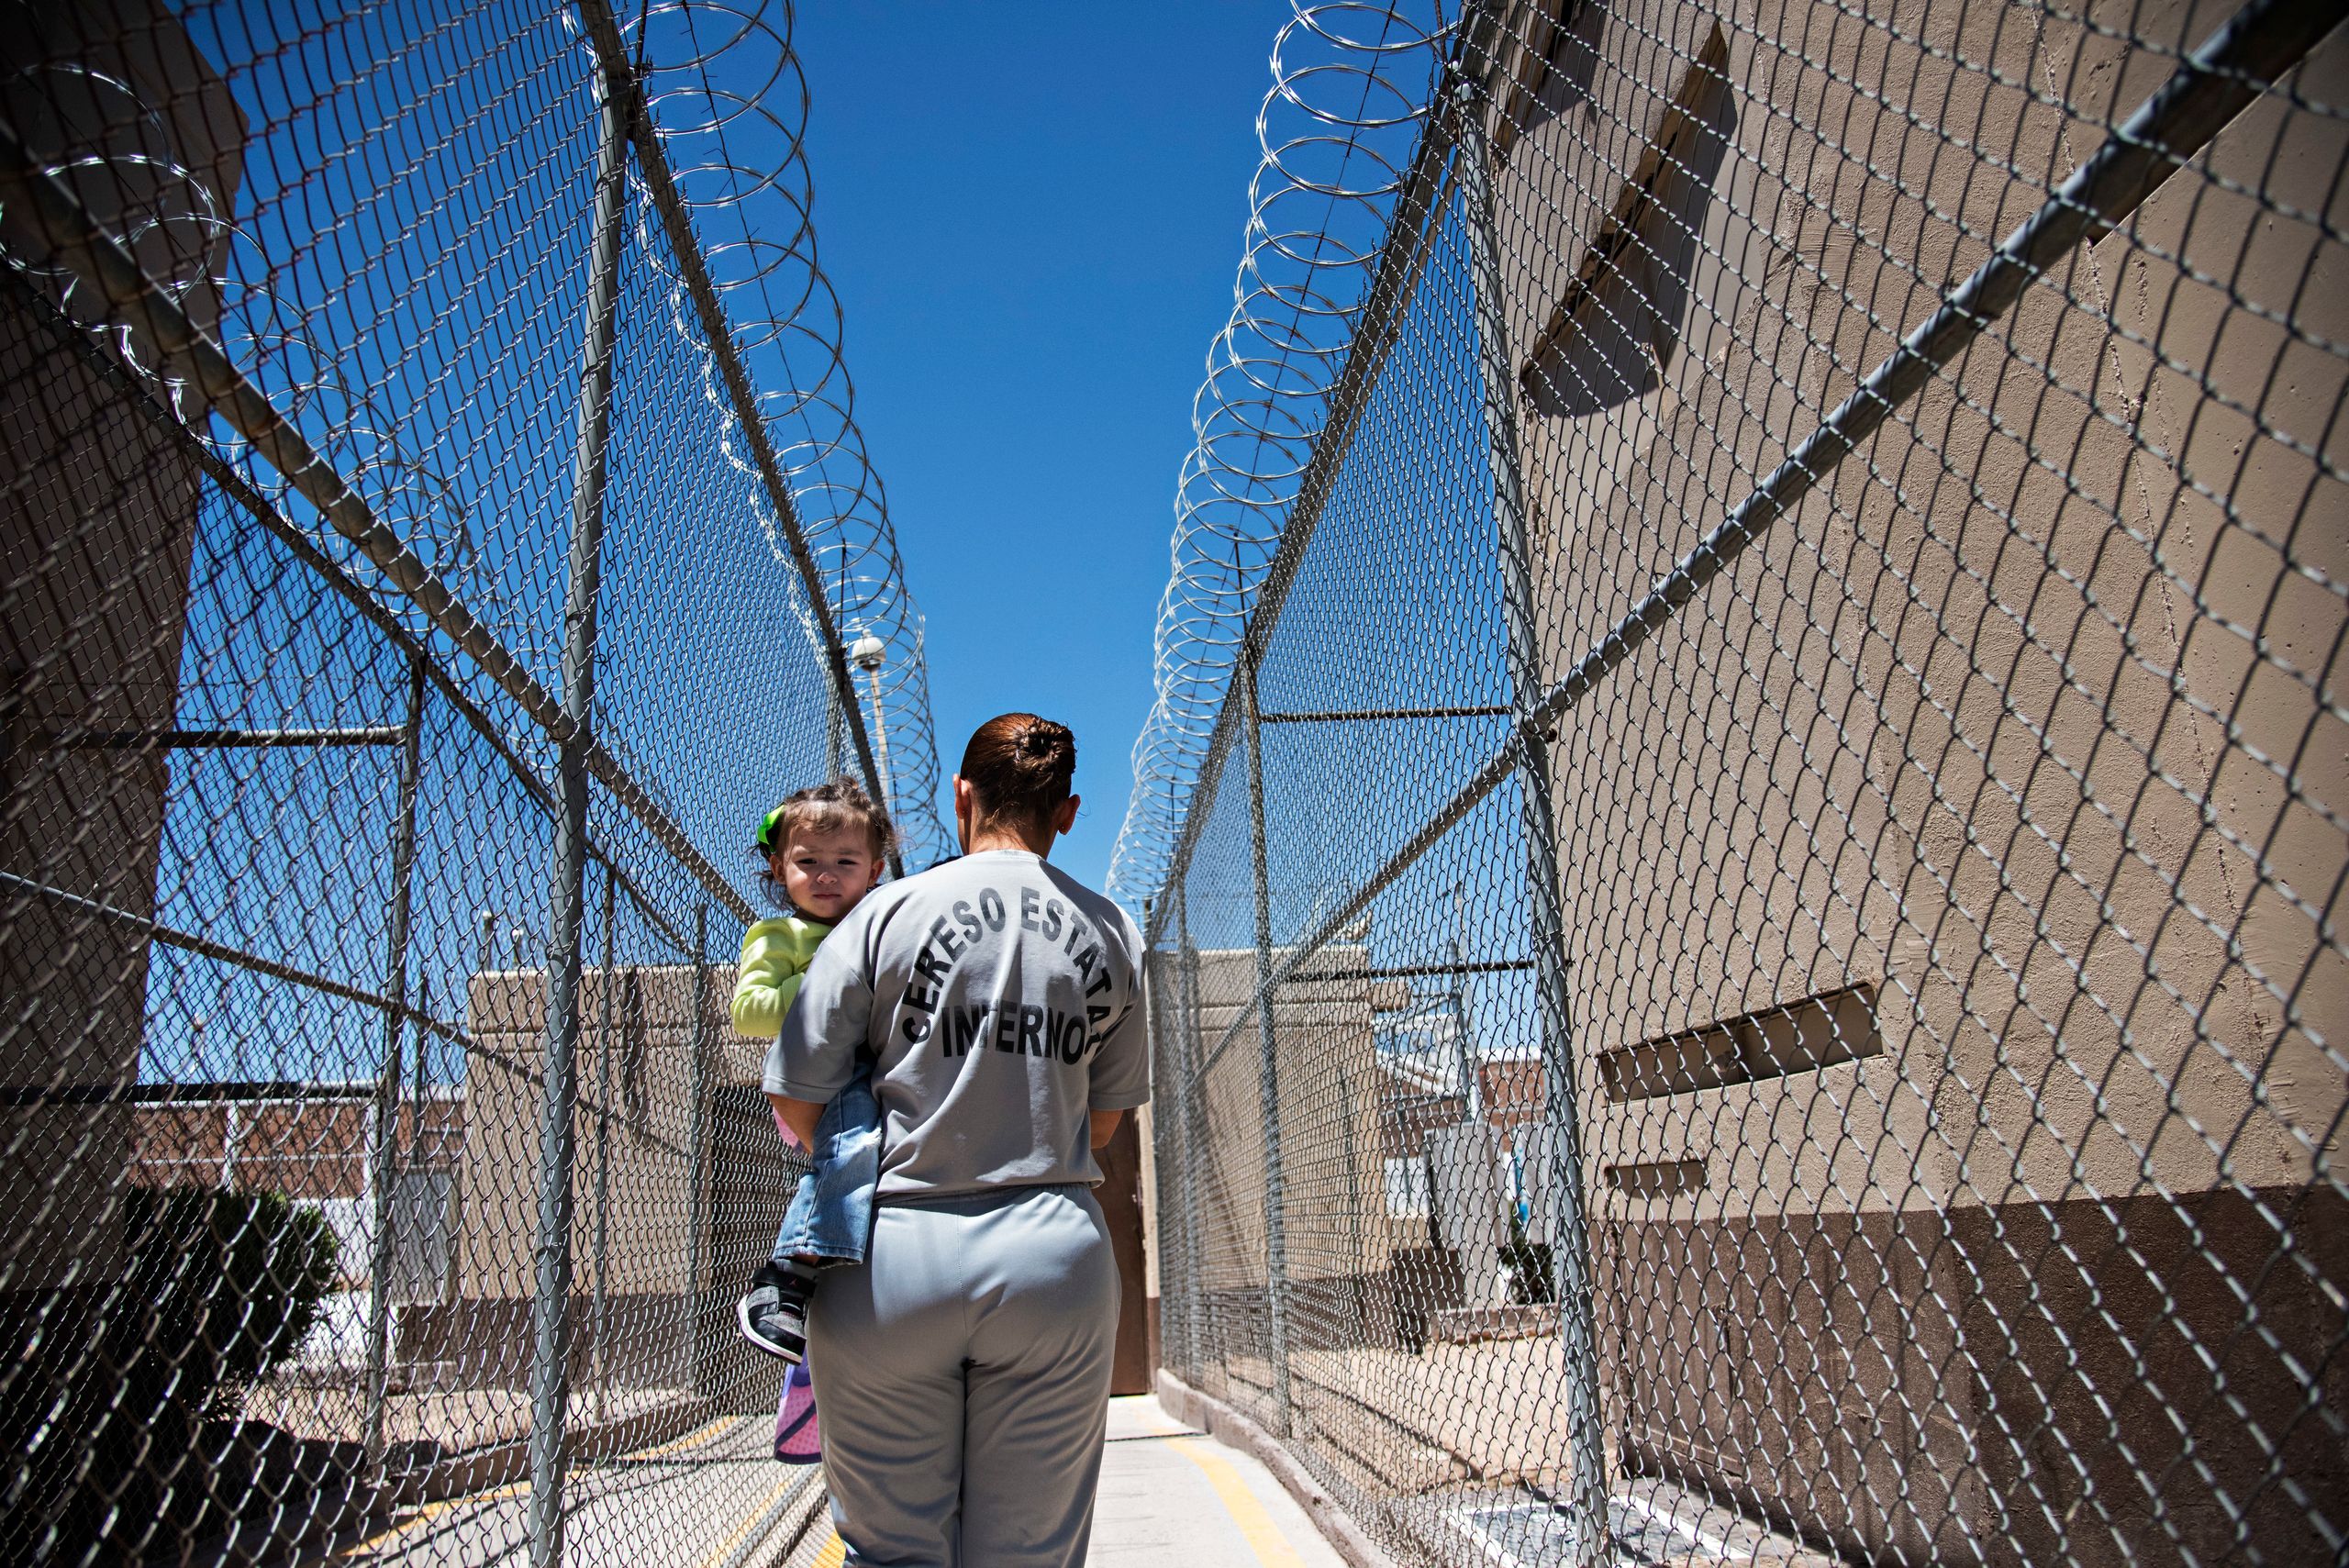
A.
x: 867, y: 653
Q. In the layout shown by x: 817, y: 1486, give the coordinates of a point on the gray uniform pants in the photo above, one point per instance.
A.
x: 962, y: 1374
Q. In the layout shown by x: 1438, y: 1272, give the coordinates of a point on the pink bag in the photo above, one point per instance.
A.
x: 797, y: 1438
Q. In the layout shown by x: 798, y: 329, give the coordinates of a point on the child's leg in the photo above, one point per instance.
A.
x: 792, y: 1239
x: 831, y: 1214
x: 774, y: 1312
x: 830, y: 1221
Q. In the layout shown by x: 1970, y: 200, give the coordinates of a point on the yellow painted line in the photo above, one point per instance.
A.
x: 1264, y: 1537
x: 833, y: 1553
x: 722, y: 1423
x: 425, y: 1513
x: 757, y: 1512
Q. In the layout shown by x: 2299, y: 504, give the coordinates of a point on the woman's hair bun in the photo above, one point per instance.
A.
x: 1021, y: 765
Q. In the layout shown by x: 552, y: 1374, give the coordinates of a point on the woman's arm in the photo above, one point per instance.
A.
x: 813, y: 1056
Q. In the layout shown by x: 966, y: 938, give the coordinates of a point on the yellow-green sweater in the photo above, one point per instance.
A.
x: 774, y: 955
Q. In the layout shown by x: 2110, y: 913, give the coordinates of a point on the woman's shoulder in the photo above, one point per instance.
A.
x: 875, y: 910
x: 1106, y: 913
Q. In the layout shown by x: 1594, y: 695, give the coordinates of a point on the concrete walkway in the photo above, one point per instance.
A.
x: 1170, y: 1496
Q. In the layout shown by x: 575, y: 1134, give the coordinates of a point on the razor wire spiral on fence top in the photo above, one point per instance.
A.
x: 435, y: 528
x: 1338, y: 131
x: 1744, y: 829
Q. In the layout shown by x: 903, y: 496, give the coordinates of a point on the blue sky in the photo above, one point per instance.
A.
x: 1031, y: 217
x: 1032, y: 214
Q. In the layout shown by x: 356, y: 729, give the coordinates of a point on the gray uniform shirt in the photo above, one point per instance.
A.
x: 1000, y: 1000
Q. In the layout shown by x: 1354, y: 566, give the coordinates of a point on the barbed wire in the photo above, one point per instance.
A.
x: 731, y: 101
x: 742, y: 176
x: 1337, y: 131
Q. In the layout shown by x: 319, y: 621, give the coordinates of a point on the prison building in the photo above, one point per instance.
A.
x: 1947, y: 968
x: 1330, y: 1143
x: 657, y: 1192
x: 328, y: 1146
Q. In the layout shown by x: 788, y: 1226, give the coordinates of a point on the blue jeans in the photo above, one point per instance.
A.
x: 830, y: 1217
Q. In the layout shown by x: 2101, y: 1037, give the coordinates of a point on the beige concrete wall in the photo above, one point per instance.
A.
x: 1983, y: 727
x: 1335, y: 1219
x: 652, y: 1338
x: 97, y: 522
x: 1863, y: 757
x: 649, y: 1051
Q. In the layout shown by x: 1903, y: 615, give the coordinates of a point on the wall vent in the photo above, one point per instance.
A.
x: 1611, y: 334
x: 1800, y: 1036
x: 1657, y: 1178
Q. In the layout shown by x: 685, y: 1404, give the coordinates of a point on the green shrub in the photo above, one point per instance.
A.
x: 105, y: 1414
x: 227, y: 1284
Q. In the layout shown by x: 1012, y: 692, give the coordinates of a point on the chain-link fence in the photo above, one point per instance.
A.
x: 1744, y: 834
x: 434, y: 528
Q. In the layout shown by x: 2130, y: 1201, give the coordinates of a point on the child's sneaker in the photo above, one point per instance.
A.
x: 774, y: 1313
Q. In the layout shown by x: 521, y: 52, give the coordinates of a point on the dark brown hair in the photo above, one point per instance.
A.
x: 831, y: 807
x: 1021, y: 766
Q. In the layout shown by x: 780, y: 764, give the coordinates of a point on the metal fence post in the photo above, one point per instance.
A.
x: 1187, y: 991
x: 382, y: 1170
x: 599, y: 1364
x: 1268, y: 1081
x: 1570, y: 1249
x: 419, y: 1083
x: 697, y: 1147
x: 835, y: 734
x: 551, y: 1313
x: 1463, y: 1037
x: 419, y: 1091
x: 387, y: 1090
x: 1157, y: 998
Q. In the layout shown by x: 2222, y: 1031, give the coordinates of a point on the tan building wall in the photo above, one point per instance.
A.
x: 1341, y: 1245
x: 650, y: 1081
x: 97, y: 523
x: 300, y: 1143
x: 1334, y: 1221
x: 1925, y: 740
x: 645, y: 1058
